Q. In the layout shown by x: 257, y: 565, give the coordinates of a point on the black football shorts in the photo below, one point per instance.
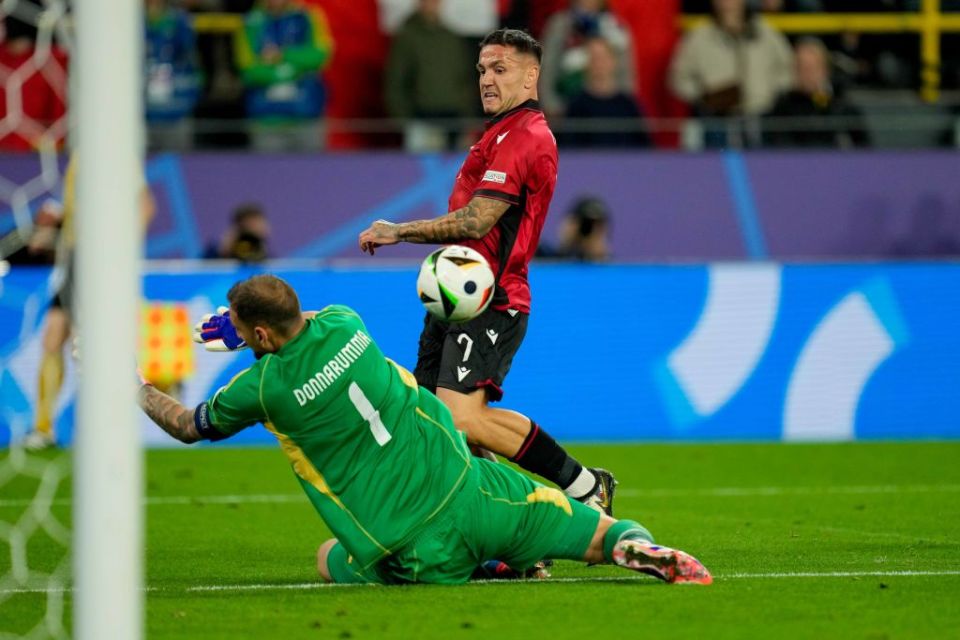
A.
x: 471, y: 355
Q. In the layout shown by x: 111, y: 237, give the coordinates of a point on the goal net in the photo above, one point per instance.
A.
x: 70, y: 521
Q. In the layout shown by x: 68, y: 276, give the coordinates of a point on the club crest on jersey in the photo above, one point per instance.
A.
x: 495, y: 176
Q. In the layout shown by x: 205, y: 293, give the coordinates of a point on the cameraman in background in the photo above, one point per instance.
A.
x: 246, y: 238
x: 584, y: 233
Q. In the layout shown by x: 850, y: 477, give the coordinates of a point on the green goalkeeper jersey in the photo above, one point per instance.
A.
x: 378, y: 456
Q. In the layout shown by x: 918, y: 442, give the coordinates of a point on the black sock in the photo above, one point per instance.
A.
x: 540, y: 454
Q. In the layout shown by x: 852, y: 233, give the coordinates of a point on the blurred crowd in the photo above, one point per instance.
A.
x: 288, y: 75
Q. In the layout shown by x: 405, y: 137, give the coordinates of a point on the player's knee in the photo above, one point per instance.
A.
x: 466, y: 409
x: 594, y: 553
x: 323, y: 553
x: 471, y: 422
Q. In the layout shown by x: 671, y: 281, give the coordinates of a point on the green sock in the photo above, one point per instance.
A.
x: 623, y: 530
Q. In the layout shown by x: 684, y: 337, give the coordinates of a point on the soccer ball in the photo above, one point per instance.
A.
x: 455, y: 283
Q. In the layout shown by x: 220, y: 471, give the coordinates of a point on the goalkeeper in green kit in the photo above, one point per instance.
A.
x: 382, y: 463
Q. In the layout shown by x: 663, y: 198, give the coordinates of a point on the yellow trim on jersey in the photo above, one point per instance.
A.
x: 546, y: 495
x: 456, y: 486
x: 549, y: 495
x: 463, y: 453
x: 263, y: 376
x: 504, y: 500
x: 229, y: 384
x: 310, y: 474
x: 408, y: 378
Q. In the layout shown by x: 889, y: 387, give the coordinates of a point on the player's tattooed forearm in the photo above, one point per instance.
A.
x: 170, y: 415
x: 468, y: 223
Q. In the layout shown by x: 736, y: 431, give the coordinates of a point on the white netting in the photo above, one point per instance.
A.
x: 34, y: 38
x: 34, y: 512
x: 35, y: 541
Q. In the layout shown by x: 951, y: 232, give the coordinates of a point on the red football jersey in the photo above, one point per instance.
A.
x: 515, y: 161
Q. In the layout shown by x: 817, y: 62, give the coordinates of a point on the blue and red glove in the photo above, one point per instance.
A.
x: 216, y: 332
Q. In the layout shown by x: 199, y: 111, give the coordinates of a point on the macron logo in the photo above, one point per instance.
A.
x: 462, y: 372
x: 501, y: 137
x: 495, y: 176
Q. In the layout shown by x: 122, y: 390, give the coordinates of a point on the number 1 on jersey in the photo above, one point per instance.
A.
x: 368, y: 413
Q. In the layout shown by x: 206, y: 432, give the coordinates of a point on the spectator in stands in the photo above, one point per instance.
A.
x: 602, y: 97
x: 172, y: 81
x: 468, y: 18
x: 584, y: 233
x: 832, y: 121
x: 565, y: 56
x: 357, y: 57
x: 246, y: 238
x: 280, y: 53
x: 222, y: 94
x: 887, y: 60
x: 171, y: 78
x: 39, y: 122
x: 428, y: 77
x: 529, y: 14
x: 734, y: 65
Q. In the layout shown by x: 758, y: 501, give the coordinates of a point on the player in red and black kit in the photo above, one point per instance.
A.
x: 498, y: 207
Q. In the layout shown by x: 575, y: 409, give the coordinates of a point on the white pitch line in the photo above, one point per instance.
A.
x: 311, y: 586
x: 152, y: 501
x: 276, y: 498
x: 714, y: 492
x: 839, y: 574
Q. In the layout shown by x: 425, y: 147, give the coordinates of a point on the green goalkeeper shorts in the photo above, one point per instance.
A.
x: 500, y: 514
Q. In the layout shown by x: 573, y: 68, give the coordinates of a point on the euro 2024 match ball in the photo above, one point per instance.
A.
x: 455, y: 283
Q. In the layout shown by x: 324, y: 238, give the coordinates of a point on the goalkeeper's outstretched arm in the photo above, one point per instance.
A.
x: 170, y: 415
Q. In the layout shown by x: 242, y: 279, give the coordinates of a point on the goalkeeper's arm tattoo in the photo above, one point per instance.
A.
x: 170, y: 415
x: 468, y: 223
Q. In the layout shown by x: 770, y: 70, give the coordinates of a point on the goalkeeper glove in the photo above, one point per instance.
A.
x: 216, y: 333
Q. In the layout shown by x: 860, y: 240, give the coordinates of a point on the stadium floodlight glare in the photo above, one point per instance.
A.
x: 108, y: 545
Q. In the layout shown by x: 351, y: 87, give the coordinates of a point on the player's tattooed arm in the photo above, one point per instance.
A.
x: 467, y: 223
x: 170, y: 415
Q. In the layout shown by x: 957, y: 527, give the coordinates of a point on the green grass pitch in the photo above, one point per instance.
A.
x: 804, y: 541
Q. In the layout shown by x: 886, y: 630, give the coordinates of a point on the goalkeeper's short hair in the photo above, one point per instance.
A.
x: 265, y: 301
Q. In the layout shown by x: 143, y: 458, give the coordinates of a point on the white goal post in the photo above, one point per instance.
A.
x: 108, y: 485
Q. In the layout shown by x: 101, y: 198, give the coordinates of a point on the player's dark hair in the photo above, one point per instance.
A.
x: 519, y: 40
x: 265, y: 301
